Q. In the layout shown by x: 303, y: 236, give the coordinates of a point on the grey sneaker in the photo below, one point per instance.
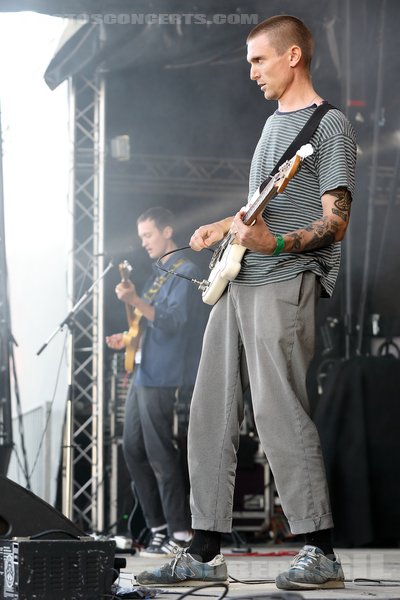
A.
x: 185, y: 570
x: 311, y: 569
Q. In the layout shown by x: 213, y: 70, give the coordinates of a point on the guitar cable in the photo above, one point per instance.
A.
x: 202, y: 285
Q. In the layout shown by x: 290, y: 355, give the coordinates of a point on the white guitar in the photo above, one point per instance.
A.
x: 226, y: 260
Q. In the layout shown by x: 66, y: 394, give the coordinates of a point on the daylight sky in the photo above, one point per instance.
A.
x: 36, y: 164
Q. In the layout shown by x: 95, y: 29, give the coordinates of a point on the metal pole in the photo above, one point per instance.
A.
x: 112, y: 405
x: 68, y: 463
x: 347, y: 248
x: 98, y: 314
x: 67, y: 470
x: 372, y: 186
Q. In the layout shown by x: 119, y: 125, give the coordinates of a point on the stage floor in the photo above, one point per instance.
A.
x: 368, y: 572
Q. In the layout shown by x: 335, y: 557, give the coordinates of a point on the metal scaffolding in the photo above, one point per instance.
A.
x: 83, y: 464
x: 189, y: 176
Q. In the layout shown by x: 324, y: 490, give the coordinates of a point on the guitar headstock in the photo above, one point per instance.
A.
x: 290, y: 167
x: 125, y: 270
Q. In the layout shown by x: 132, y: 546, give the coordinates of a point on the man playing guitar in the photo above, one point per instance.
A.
x: 170, y: 322
x: 261, y: 330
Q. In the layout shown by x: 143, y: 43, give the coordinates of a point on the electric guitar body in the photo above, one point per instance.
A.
x: 226, y: 260
x: 226, y: 267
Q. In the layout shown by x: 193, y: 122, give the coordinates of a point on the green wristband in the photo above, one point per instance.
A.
x: 280, y: 245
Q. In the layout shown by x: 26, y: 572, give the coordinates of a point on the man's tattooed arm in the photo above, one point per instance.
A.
x: 327, y: 230
x: 317, y: 235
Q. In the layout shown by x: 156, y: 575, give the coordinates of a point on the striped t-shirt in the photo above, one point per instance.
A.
x: 330, y: 166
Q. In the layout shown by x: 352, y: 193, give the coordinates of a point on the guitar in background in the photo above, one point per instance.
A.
x: 131, y: 338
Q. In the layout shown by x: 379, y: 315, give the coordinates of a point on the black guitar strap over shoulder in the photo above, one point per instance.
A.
x: 303, y: 137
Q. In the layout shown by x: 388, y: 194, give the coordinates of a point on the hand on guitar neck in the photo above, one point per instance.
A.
x: 129, y: 340
x: 126, y: 292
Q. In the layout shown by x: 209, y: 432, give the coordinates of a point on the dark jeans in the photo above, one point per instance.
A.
x: 153, y: 459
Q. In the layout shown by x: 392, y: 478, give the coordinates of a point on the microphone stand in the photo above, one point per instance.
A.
x: 70, y: 316
x: 68, y: 432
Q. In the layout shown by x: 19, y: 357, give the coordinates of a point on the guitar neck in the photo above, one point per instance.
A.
x: 130, y: 313
x: 260, y: 203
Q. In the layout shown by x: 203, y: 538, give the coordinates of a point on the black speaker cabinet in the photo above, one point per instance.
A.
x: 23, y: 514
x: 56, y: 569
x: 43, y: 555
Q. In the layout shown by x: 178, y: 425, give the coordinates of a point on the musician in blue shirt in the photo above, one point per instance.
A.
x: 172, y: 322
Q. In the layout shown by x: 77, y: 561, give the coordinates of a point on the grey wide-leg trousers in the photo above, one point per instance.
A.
x: 262, y: 336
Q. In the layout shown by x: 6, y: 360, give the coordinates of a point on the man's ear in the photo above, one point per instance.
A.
x: 295, y: 55
x: 168, y: 232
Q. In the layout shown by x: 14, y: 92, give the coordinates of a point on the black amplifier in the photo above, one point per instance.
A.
x: 56, y: 569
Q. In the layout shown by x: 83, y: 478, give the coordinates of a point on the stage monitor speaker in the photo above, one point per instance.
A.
x: 23, y: 514
x: 57, y: 569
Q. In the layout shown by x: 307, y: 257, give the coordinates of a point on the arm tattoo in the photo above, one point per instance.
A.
x: 324, y: 231
x: 342, y: 203
x: 323, y: 235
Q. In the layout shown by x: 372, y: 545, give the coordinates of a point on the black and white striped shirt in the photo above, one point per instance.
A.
x: 331, y: 165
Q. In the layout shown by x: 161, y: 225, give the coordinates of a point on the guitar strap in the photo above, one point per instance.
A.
x: 159, y: 281
x: 303, y: 137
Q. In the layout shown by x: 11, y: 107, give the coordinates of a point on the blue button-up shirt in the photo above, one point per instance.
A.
x: 171, y: 344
